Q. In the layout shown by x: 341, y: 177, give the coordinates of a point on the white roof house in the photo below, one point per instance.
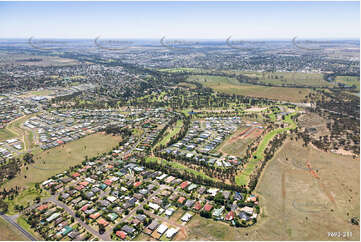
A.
x: 171, y: 232
x: 111, y: 199
x: 153, y: 206
x: 169, y: 211
x: 186, y: 217
x: 162, y: 228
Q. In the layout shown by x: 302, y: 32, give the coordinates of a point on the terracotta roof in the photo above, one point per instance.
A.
x: 121, y: 234
x: 42, y: 207
x: 207, y: 207
x: 184, y: 184
x: 76, y: 174
x: 181, y: 199
x: 197, y: 206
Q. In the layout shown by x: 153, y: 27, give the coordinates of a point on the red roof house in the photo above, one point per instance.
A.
x: 207, y: 207
x: 42, y: 207
x: 184, y: 184
x: 103, y: 222
x: 137, y: 184
x: 84, y: 183
x: 181, y: 200
x: 94, y: 215
x: 85, y: 207
x: 76, y: 174
x: 197, y: 206
x: 121, y: 234
x: 230, y: 216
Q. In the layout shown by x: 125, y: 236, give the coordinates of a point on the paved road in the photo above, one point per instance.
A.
x: 140, y: 206
x: 18, y: 227
x: 71, y: 212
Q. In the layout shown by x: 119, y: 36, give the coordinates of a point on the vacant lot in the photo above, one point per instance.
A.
x: 6, y: 134
x: 9, y: 233
x: 236, y: 144
x: 299, y: 206
x: 294, y: 204
x: 53, y: 161
x: 232, y: 86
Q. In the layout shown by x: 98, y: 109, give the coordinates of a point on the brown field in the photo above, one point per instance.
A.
x: 313, y: 120
x: 51, y: 162
x: 8, y: 232
x: 232, y: 86
x: 295, y: 204
x: 237, y: 144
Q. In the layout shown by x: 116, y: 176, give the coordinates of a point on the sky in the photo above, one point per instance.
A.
x: 185, y: 20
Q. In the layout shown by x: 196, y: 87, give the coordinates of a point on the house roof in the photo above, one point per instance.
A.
x: 95, y: 215
x: 121, y: 234
x: 197, y: 206
x: 181, y: 199
x: 102, y: 221
x: 76, y: 174
x: 208, y: 207
x: 42, y: 207
x: 184, y: 184
x: 230, y: 215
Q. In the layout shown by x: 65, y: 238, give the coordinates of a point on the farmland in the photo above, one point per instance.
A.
x: 8, y: 232
x: 232, y: 86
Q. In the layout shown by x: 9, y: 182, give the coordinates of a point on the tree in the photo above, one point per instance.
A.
x: 3, y: 206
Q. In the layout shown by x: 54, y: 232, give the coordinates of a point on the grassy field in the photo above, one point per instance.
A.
x: 295, y: 205
x: 243, y: 178
x: 171, y: 132
x: 290, y: 78
x: 22, y: 222
x: 25, y: 198
x: 6, y: 134
x: 178, y: 166
x: 232, y: 86
x: 300, y: 207
x: 207, y: 229
x: 53, y: 161
x: 9, y: 233
x: 21, y: 133
x: 349, y: 80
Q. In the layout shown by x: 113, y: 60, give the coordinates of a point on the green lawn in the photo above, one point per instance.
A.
x: 22, y: 222
x: 349, y: 80
x: 25, y: 198
x: 178, y: 166
x: 6, y: 134
x: 243, y: 178
x: 172, y: 132
x: 53, y: 161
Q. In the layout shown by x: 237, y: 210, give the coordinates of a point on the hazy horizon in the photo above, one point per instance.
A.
x: 180, y: 20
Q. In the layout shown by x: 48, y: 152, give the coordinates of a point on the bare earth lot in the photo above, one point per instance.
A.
x: 296, y: 205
